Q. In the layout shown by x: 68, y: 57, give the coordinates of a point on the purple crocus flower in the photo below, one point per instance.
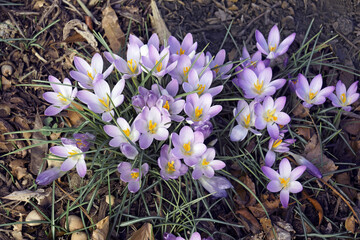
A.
x: 188, y: 145
x: 82, y: 140
x: 103, y: 101
x: 217, y: 65
x: 199, y: 109
x: 74, y: 157
x: 61, y: 97
x: 206, y: 128
x: 207, y: 165
x: 172, y: 106
x: 145, y: 98
x: 251, y: 62
x: 284, y: 181
x: 201, y: 85
x: 312, y: 94
x: 151, y: 123
x: 144, y: 48
x: 259, y: 86
x: 187, y: 47
x: 245, y: 118
x: 87, y: 74
x: 216, y: 185
x: 129, y: 68
x: 171, y: 167
x: 344, y: 98
x: 180, y: 73
x: 48, y: 176
x: 132, y: 176
x: 310, y: 168
x: 277, y: 145
x: 154, y: 59
x: 194, y: 236
x: 271, y: 48
x: 269, y: 115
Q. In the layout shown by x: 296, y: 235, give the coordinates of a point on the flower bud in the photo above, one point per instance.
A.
x: 216, y: 185
x: 309, y: 166
x: 49, y: 176
x: 206, y: 128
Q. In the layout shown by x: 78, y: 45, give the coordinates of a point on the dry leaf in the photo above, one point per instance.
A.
x: 17, y: 229
x: 82, y: 29
x: 271, y: 205
x: 75, y: 118
x: 246, y: 198
x: 299, y: 110
x: 316, y: 205
x: 248, y: 220
x: 267, y: 227
x: 304, y: 131
x: 350, y: 224
x: 158, y: 23
x: 144, y: 233
x: 102, y: 229
x: 113, y: 32
x: 23, y: 125
x: 18, y: 168
x: 351, y: 126
x: 38, y: 152
x: 26, y: 195
x: 344, y: 179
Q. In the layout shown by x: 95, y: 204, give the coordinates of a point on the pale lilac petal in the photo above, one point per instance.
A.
x: 197, y: 173
x: 128, y: 150
x: 326, y: 91
x: 238, y: 133
x: 270, y: 173
x: 173, y: 87
x: 270, y: 158
x: 67, y: 165
x: 81, y: 168
x: 285, y: 168
x: 124, y: 167
x: 295, y: 187
x: 352, y: 98
x: 280, y: 103
x: 81, y: 65
x: 55, y: 83
x: 273, y: 130
x: 285, y: 44
x: 274, y: 186
x: 134, y: 186
x: 284, y: 197
x: 195, y: 236
x: 217, y: 165
x: 316, y: 83
x: 112, y: 131
x: 261, y: 42
x: 274, y: 37
x: 352, y: 89
x: 97, y: 63
x: 117, y: 141
x: 282, y: 118
x: 145, y: 141
x: 199, y: 149
x: 52, y: 110
x: 214, y: 110
x: 278, y: 83
x: 297, y: 172
x: 52, y: 97
x: 59, y: 151
x: 161, y: 134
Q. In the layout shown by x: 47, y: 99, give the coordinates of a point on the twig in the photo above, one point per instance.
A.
x: 72, y: 7
x: 86, y: 10
x: 14, y: 22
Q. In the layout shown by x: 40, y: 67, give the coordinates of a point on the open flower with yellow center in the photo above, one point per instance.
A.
x: 312, y: 94
x: 207, y: 165
x: 104, y: 100
x: 268, y: 114
x: 219, y: 69
x: 188, y: 145
x: 87, y: 74
x: 184, y: 65
x: 284, y: 180
x: 171, y: 166
x: 62, y: 96
x: 199, y: 109
x: 74, y: 157
x: 132, y: 175
x: 202, y: 84
x: 152, y: 124
x: 258, y: 86
x: 272, y: 47
x: 245, y: 118
x: 344, y: 98
x: 278, y: 145
x: 144, y: 48
x: 187, y: 47
x: 157, y: 62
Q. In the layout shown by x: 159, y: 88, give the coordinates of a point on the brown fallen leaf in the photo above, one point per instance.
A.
x: 247, y: 198
x: 82, y: 29
x: 38, y: 152
x: 144, y: 233
x: 344, y: 179
x: 248, y: 220
x: 270, y: 203
x: 22, y: 124
x: 18, y: 168
x: 351, y: 126
x: 316, y: 205
x: 304, y: 131
x: 102, y: 229
x: 350, y: 224
x: 75, y: 118
x: 113, y: 32
x: 26, y: 195
x: 299, y: 110
x: 158, y: 23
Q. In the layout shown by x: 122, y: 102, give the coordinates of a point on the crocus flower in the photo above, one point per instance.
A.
x: 269, y: 115
x: 206, y: 128
x: 129, y: 150
x: 132, y: 176
x: 87, y: 74
x: 201, y: 85
x: 103, y: 101
x: 216, y: 185
x: 344, y: 98
x: 199, y: 109
x: 171, y: 167
x: 217, y: 65
x: 245, y: 118
x: 48, y: 176
x: 172, y: 106
x: 82, y: 140
x: 74, y: 157
x: 277, y: 145
x: 160, y: 60
x: 259, y: 86
x: 188, y: 145
x: 284, y: 180
x: 194, y: 236
x: 312, y: 94
x: 61, y: 97
x: 151, y: 123
x: 187, y: 47
x: 131, y: 67
x: 310, y: 168
x: 180, y: 73
x: 145, y: 98
x: 250, y: 62
x: 207, y: 165
x: 271, y: 48
x: 144, y: 48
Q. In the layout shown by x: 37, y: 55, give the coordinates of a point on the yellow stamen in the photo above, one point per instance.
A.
x: 201, y: 88
x: 152, y: 127
x: 258, y: 86
x: 166, y: 105
x: 134, y: 175
x: 343, y: 97
x: 170, y: 168
x: 284, y: 182
x: 269, y: 117
x: 247, y: 120
x: 90, y: 75
x: 105, y: 103
x: 186, y: 70
x: 277, y: 143
x: 159, y: 66
x: 271, y: 48
x: 253, y: 63
x: 216, y: 68
x: 62, y: 98
x: 127, y: 132
x: 312, y: 95
x: 73, y: 152
x: 198, y: 113
x: 187, y: 147
x: 79, y: 143
x: 181, y: 52
x: 204, y: 162
x: 132, y: 65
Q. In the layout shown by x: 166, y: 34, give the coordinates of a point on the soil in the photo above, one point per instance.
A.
x: 37, y: 52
